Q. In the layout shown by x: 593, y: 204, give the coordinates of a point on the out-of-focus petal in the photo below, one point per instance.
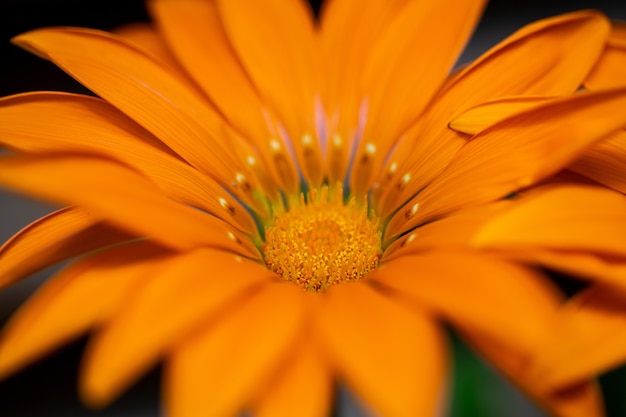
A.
x: 610, y: 70
x: 56, y: 237
x: 393, y: 358
x: 184, y: 294
x: 589, y: 338
x: 589, y: 219
x: 234, y: 356
x: 505, y: 302
x: 79, y: 297
x: 303, y: 386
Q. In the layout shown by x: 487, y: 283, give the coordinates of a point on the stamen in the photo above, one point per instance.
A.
x: 321, y: 241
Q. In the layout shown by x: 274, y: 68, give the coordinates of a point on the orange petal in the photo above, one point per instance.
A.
x: 79, y: 297
x: 181, y: 296
x: 137, y: 206
x: 302, y: 388
x: 224, y: 367
x: 589, y: 219
x: 506, y: 302
x: 515, y: 153
x: 275, y: 41
x: 56, y: 237
x: 146, y: 36
x: 549, y: 57
x: 144, y: 90
x: 394, y: 359
x: 349, y: 29
x: 454, y: 231
x: 610, y: 270
x: 398, y: 81
x: 583, y: 399
x: 590, y: 338
x: 480, y: 117
x: 604, y: 162
x: 75, y: 123
x: 195, y: 34
x: 610, y: 70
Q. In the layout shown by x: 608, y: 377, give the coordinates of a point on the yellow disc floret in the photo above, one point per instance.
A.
x: 321, y: 241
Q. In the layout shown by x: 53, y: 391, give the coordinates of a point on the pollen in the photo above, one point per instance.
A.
x: 320, y: 240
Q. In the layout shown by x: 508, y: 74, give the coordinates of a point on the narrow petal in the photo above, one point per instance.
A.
x: 75, y: 123
x: 550, y: 57
x: 234, y: 356
x: 590, y: 338
x: 275, y: 41
x: 137, y: 206
x: 396, y: 96
x: 510, y: 304
x: 478, y: 118
x: 604, y: 162
x: 588, y: 219
x: 394, y: 359
x: 79, y: 297
x: 516, y: 153
x: 180, y: 297
x: 609, y: 70
x: 144, y: 90
x: 583, y: 399
x: 302, y: 388
x: 56, y: 237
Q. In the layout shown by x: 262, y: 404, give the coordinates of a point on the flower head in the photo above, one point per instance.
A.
x: 271, y: 204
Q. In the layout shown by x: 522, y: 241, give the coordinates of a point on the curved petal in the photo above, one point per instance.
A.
x: 137, y: 206
x: 550, y: 57
x: 75, y: 123
x: 589, y: 219
x: 583, y: 399
x: 178, y: 299
x: 590, y: 338
x: 404, y: 69
x: 476, y: 119
x: 507, y: 303
x: 516, y: 153
x: 609, y: 70
x: 144, y: 90
x: 232, y: 357
x: 303, y: 386
x: 393, y: 358
x: 81, y: 296
x: 56, y: 237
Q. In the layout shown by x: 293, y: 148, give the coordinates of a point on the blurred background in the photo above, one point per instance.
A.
x: 48, y: 388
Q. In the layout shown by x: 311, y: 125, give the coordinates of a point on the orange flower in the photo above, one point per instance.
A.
x: 270, y: 205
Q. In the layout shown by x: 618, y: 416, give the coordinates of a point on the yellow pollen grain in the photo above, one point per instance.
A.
x: 321, y: 241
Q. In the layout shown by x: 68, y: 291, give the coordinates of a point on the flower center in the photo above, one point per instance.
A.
x: 321, y: 241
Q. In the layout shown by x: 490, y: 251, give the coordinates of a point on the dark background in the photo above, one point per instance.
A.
x: 48, y: 388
